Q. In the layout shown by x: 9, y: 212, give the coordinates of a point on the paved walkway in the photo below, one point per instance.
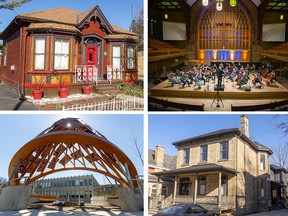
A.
x: 283, y: 212
x: 69, y: 212
x: 9, y: 100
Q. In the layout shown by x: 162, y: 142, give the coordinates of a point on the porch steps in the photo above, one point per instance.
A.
x: 105, y: 87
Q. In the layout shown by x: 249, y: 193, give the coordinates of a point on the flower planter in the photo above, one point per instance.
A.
x: 63, y: 92
x: 86, y: 89
x: 37, y: 94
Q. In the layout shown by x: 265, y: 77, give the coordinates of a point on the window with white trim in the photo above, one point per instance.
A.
x: 202, y: 185
x: 153, y: 191
x: 61, y: 55
x: 5, y: 49
x: 277, y: 176
x: 116, y: 52
x: 39, y: 53
x: 130, y: 57
x: 262, y: 162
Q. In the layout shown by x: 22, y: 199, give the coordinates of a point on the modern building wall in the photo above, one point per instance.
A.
x: 68, y: 188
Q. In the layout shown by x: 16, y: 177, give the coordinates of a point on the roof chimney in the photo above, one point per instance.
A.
x: 245, y: 125
x: 159, y: 155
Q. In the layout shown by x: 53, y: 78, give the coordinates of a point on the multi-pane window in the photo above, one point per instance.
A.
x: 61, y: 56
x: 153, y: 191
x: 130, y: 58
x: 204, y: 150
x: 186, y: 156
x: 5, y: 49
x: 184, y: 186
x: 262, y: 162
x: 164, y: 190
x: 224, y: 150
x: 277, y: 176
x: 39, y: 53
x: 116, y: 57
x: 202, y: 185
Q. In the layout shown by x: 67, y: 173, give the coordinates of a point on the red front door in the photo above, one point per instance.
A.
x: 91, y: 55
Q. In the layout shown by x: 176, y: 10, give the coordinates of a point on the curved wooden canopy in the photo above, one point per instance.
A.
x: 71, y: 145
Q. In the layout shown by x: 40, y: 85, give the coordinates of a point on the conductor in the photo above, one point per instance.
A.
x: 220, y: 74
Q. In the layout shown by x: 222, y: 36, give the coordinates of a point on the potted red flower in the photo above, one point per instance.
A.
x: 39, y: 81
x: 63, y: 92
x: 86, y: 89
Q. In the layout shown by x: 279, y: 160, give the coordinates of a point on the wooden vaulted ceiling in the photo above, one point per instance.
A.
x: 272, y: 5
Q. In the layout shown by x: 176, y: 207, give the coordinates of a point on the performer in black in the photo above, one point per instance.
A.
x: 220, y: 73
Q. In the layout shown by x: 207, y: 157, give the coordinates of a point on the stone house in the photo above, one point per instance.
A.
x: 159, y: 187
x: 222, y: 170
x: 279, y: 183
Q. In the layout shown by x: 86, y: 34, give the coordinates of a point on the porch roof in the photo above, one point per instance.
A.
x: 197, y: 169
x: 53, y: 26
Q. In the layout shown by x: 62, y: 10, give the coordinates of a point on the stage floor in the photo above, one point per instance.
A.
x: 231, y: 95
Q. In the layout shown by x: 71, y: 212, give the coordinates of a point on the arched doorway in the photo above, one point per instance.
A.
x: 224, y: 35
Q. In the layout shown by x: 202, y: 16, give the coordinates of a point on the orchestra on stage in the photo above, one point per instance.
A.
x: 243, y: 76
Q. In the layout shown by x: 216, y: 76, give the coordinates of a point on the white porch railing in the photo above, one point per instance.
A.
x: 126, y: 104
x: 85, y: 73
x: 154, y: 202
x: 167, y: 202
x: 114, y: 73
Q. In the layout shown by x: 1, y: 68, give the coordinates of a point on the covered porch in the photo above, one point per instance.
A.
x: 210, y: 185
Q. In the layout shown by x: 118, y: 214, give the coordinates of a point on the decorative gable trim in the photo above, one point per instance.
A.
x: 97, y: 15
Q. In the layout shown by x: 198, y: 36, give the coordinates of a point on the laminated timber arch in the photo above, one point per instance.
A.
x: 70, y: 144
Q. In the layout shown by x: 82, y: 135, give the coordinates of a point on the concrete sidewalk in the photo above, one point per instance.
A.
x: 9, y: 100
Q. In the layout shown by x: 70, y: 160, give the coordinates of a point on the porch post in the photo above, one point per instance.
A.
x: 219, y: 189
x: 195, y: 189
x: 175, y: 189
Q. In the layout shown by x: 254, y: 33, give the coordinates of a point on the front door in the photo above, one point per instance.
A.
x: 91, y: 63
x: 91, y: 55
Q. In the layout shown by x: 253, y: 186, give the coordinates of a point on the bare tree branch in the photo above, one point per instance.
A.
x: 138, y: 148
x: 280, y: 155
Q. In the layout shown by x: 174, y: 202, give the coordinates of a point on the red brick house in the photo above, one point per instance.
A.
x: 61, y: 46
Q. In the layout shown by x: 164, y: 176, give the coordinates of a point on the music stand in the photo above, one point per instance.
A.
x: 218, y: 99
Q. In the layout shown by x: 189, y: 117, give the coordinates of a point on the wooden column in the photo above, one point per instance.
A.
x: 175, y: 189
x: 219, y: 190
x: 195, y: 189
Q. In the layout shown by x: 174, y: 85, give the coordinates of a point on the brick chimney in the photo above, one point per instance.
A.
x: 245, y: 125
x: 159, y: 155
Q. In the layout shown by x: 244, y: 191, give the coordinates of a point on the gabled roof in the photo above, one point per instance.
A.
x: 230, y: 131
x: 67, y: 19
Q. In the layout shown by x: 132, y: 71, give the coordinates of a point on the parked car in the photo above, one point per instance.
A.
x: 192, y: 209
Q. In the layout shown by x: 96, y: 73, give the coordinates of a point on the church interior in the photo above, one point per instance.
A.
x: 217, y: 55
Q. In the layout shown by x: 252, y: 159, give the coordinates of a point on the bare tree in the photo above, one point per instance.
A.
x: 2, y: 180
x: 138, y: 147
x: 10, y: 5
x: 280, y: 155
x: 283, y: 124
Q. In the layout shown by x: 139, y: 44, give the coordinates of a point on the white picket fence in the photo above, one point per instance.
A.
x: 126, y: 104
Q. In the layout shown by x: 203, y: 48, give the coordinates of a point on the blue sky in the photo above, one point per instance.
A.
x: 18, y: 129
x: 117, y: 12
x: 165, y: 129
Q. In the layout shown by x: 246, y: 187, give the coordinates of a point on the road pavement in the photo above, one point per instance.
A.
x: 282, y: 212
x: 9, y: 100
